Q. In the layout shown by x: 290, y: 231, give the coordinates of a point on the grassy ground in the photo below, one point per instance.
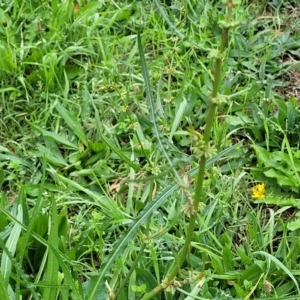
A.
x: 96, y: 175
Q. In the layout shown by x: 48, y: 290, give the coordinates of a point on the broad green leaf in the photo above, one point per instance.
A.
x: 263, y: 156
x: 96, y: 147
x: 55, y: 137
x: 131, y: 291
x: 293, y: 225
x: 94, y: 289
x: 53, y: 148
x: 249, y: 65
x: 244, y: 257
x: 7, y: 64
x: 282, y: 179
x: 234, y: 121
x: 217, y: 264
x: 23, y: 202
x: 9, y: 89
x: 85, y: 172
x: 239, y: 291
x: 284, y: 289
x: 73, y: 123
x: 279, y: 201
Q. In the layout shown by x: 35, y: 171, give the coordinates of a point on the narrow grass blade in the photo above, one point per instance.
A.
x: 95, y: 286
x: 33, y: 216
x: 73, y: 123
x: 177, y: 118
x: 110, y: 144
x: 52, y: 157
x: 2, y: 178
x: 181, y: 35
x: 52, y: 263
x: 11, y: 245
x: 66, y: 270
x: 57, y: 138
x: 165, y: 17
x: 59, y: 256
x: 119, y: 152
x: 151, y: 103
x: 3, y: 289
x: 280, y: 265
x: 108, y: 206
x: 94, y: 289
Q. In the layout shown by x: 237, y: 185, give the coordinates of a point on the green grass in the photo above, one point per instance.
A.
x: 99, y: 150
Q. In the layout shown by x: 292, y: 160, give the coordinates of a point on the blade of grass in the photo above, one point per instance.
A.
x: 177, y: 118
x: 51, y: 276
x: 280, y: 265
x: 108, y: 206
x: 53, y: 136
x: 11, y: 245
x: 181, y: 35
x: 54, y: 158
x: 72, y: 122
x: 151, y: 103
x: 195, y: 291
x: 61, y: 258
x: 33, y: 217
x: 3, y: 289
x: 94, y: 289
x: 109, y: 143
x: 16, y: 159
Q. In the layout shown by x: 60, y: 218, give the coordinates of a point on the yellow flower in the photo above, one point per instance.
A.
x: 259, y: 191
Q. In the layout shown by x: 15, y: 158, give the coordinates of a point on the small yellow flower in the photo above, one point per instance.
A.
x: 259, y: 191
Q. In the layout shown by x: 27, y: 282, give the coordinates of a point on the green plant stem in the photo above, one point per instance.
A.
x: 200, y: 178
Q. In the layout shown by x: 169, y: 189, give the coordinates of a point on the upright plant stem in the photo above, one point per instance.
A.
x: 200, y: 178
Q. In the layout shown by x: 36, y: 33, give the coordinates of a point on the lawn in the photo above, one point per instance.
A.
x: 149, y: 149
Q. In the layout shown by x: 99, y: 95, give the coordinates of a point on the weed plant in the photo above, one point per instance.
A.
x: 121, y: 178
